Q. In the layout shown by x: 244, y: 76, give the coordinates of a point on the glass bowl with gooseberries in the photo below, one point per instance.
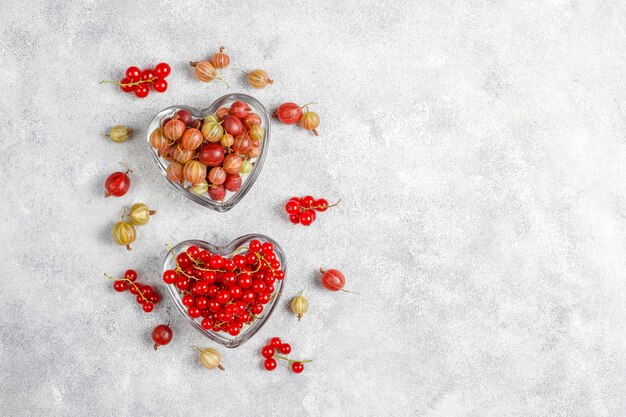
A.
x: 230, y: 300
x: 212, y: 156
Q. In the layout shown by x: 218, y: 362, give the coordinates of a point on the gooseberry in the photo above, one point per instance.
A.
x: 232, y: 125
x: 212, y: 131
x: 220, y: 60
x: 117, y: 184
x: 194, y: 171
x: 217, y: 175
x: 259, y: 79
x: 232, y: 163
x: 233, y: 182
x: 288, y: 113
x: 211, y: 154
x: 192, y: 139
x: 174, y: 129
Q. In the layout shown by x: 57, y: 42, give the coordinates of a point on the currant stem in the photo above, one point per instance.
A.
x: 128, y: 84
x: 130, y: 282
x: 307, y: 105
x: 291, y: 360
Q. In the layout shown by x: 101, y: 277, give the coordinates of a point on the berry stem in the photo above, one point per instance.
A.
x: 307, y: 105
x: 132, y: 84
x: 291, y: 360
x: 131, y: 283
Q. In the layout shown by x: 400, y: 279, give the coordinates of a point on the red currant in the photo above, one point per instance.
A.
x: 285, y: 349
x: 170, y: 276
x: 235, y: 292
x: 148, y: 307
x: 256, y: 309
x: 247, y: 296
x: 275, y: 342
x: 222, y: 296
x: 279, y: 275
x: 270, y: 364
x: 187, y: 300
x: 133, y: 73
x: 194, y: 312
x: 141, y: 90
x: 229, y: 265
x: 297, y: 367
x: 307, y: 217
x: 244, y: 281
x: 207, y: 323
x: 162, y: 70
x: 183, y: 260
x: 120, y: 286
x: 263, y: 298
x: 254, y: 245
x: 294, y: 218
x: 267, y: 351
x: 258, y: 286
x: 147, y: 75
x: 233, y: 330
x: 267, y: 248
x: 182, y: 283
x: 214, y: 306
x: 212, y: 291
x: 307, y: 201
x: 134, y: 289
x: 193, y: 251
x: 124, y: 85
x: 216, y: 262
x: 321, y: 205
x: 239, y: 260
x: 202, y: 302
x: 292, y: 207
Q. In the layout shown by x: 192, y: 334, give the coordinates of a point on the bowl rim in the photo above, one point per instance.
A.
x: 228, y: 249
x: 249, y: 179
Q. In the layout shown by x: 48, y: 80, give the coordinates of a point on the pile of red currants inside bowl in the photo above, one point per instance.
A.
x: 226, y: 293
x: 211, y: 154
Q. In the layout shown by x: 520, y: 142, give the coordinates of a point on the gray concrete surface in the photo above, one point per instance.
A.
x: 479, y: 150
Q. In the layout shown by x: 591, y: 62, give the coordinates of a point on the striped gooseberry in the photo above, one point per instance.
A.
x: 183, y: 155
x: 240, y: 109
x: 227, y: 140
x: 220, y: 60
x: 174, y: 129
x: 252, y: 119
x: 232, y: 163
x: 211, y: 154
x: 232, y: 125
x: 243, y: 143
x: 256, y: 132
x: 204, y: 71
x: 259, y: 79
x: 221, y: 112
x: 158, y: 140
x: 217, y: 192
x: 194, y: 172
x: 217, y: 175
x: 212, y: 131
x: 288, y: 113
x: 310, y: 121
x: 174, y: 171
x: 192, y: 139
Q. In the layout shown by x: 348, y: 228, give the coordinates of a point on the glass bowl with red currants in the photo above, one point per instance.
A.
x: 227, y: 293
x: 212, y: 156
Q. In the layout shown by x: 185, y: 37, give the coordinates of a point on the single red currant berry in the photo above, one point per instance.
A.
x: 233, y: 330
x: 256, y: 309
x: 134, y: 289
x: 193, y: 251
x: 258, y: 286
x: 307, y: 217
x: 120, y: 286
x: 202, y: 302
x: 212, y: 291
x: 222, y: 296
x: 207, y: 323
x: 285, y: 349
x: 267, y: 248
x: 183, y: 260
x: 187, y: 300
x: 263, y: 298
x: 254, y: 245
x: 154, y: 298
x: 147, y: 290
x: 194, y: 312
x: 162, y: 70
x: 279, y: 275
x: 170, y: 276
x: 182, y: 283
x: 229, y: 279
x: 307, y: 201
x: 239, y: 260
x: 214, y: 306
x: 148, y: 75
x: 231, y: 309
x: 216, y: 262
x: 321, y: 205
x: 270, y: 364
x: 276, y: 342
x: 133, y: 73
x: 294, y: 218
x: 297, y: 367
x: 235, y: 292
x: 148, y: 307
x: 229, y: 265
x: 159, y: 85
x: 267, y: 351
x: 244, y: 281
x: 251, y: 258
x: 248, y: 296
x: 292, y: 207
x: 124, y: 85
x: 142, y: 90
x: 131, y: 275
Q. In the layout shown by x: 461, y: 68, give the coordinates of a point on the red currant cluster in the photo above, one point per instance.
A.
x: 226, y: 292
x: 139, y: 82
x: 268, y: 352
x: 302, y: 210
x: 145, y: 294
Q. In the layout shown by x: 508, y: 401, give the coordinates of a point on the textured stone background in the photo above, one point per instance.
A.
x: 479, y: 149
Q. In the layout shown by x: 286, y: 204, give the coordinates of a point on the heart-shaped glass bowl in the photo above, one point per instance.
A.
x: 248, y: 180
x: 236, y: 246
